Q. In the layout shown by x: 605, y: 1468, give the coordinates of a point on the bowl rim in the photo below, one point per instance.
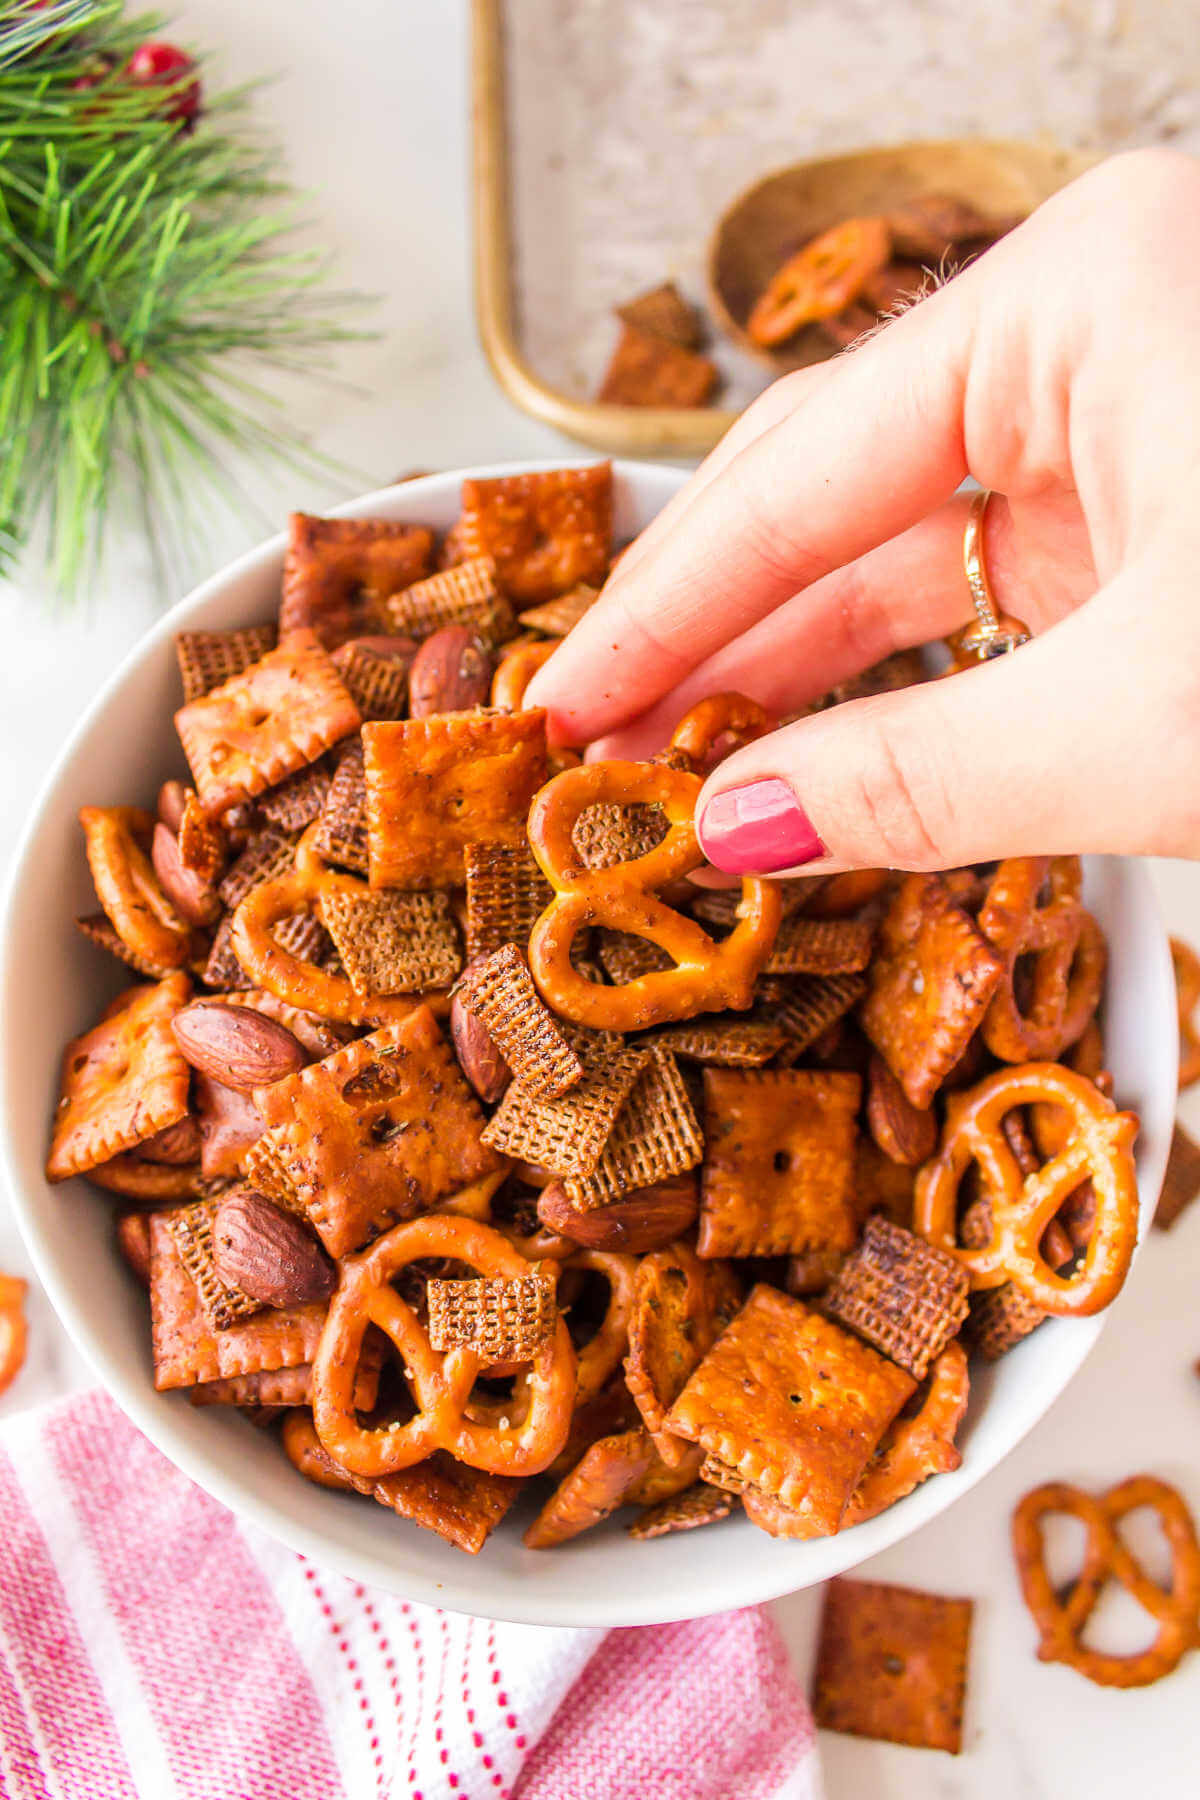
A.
x: 216, y: 1475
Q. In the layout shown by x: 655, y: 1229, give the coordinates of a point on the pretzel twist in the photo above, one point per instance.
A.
x: 515, y: 671
x: 721, y: 715
x: 603, y: 1353
x: 519, y: 1437
x: 1098, y: 1146
x: 1062, y: 1621
x: 707, y: 976
x: 288, y: 977
x: 1068, y: 958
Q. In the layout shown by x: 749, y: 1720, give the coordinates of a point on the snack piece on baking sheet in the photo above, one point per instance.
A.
x: 188, y: 1349
x: 1181, y: 1181
x: 558, y: 617
x: 376, y: 679
x: 546, y: 531
x: 122, y: 1081
x: 467, y: 594
x: 648, y: 370
x: 389, y: 941
x: 506, y: 1319
x: 654, y: 1137
x: 904, y: 1296
x: 207, y: 659
x: 892, y: 1664
x: 681, y: 1306
x: 778, y: 1175
x: 461, y: 1504
x: 338, y: 573
x: 700, y: 1504
x: 931, y: 982
x: 282, y: 712
x: 498, y: 991
x: 377, y: 1133
x: 567, y: 1135
x: 436, y: 785
x: 793, y: 1403
x: 506, y: 894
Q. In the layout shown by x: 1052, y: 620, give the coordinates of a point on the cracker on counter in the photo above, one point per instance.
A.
x: 892, y: 1664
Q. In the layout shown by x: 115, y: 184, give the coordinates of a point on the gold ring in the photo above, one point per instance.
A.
x: 994, y: 633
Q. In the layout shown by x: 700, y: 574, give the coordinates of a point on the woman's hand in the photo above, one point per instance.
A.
x: 1062, y: 370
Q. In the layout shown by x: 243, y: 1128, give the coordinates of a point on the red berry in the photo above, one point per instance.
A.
x: 157, y: 65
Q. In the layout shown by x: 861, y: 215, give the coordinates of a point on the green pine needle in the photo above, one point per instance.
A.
x: 144, y: 271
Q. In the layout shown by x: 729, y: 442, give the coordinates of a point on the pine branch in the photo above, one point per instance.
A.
x: 147, y: 284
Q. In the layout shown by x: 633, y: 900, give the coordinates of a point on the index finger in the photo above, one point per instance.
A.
x: 861, y: 456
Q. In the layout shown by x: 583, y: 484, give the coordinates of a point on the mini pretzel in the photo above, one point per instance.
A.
x: 446, y: 1418
x: 13, y: 1335
x: 1063, y: 1621
x: 603, y: 1353
x: 515, y: 671
x: 721, y: 715
x: 1099, y: 1146
x: 1187, y: 990
x: 708, y: 976
x: 915, y: 1448
x: 820, y: 280
x: 127, y: 887
x: 288, y: 977
x: 1068, y: 952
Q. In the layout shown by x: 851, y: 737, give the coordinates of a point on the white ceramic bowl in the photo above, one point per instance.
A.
x: 53, y: 984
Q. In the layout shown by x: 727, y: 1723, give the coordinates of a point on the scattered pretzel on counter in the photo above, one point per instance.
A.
x: 1099, y: 1147
x: 1062, y: 1618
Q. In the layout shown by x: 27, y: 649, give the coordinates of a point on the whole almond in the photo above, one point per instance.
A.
x: 193, y: 899
x: 133, y: 1241
x: 451, y: 672
x: 478, y: 1057
x: 172, y: 797
x: 229, y: 1123
x: 644, y: 1220
x: 906, y: 1133
x: 235, y: 1045
x: 268, y: 1253
x: 176, y: 1144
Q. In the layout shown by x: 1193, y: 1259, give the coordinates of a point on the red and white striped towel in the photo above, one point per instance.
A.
x: 152, y: 1648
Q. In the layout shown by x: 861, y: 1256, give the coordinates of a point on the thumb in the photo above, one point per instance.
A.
x: 1073, y: 744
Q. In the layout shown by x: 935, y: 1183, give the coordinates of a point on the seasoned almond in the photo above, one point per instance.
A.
x: 451, y: 672
x: 906, y: 1133
x: 172, y: 798
x: 475, y: 1048
x: 177, y: 1144
x: 268, y: 1253
x: 644, y: 1220
x: 193, y: 899
x: 235, y: 1045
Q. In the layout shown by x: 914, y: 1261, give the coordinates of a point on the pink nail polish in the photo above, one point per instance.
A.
x: 756, y: 829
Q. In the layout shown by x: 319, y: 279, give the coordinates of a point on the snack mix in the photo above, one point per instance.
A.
x: 456, y: 1134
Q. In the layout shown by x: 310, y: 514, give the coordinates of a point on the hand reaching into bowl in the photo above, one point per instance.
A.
x: 824, y: 532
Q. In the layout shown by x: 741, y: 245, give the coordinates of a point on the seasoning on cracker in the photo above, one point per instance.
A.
x: 208, y: 659
x: 778, y: 1176
x: 931, y: 982
x: 436, y: 785
x: 892, y: 1664
x: 282, y: 712
x: 339, y: 573
x: 546, y: 531
x: 122, y: 1081
x: 904, y: 1296
x: 502, y: 1320
x: 793, y: 1403
x: 498, y: 990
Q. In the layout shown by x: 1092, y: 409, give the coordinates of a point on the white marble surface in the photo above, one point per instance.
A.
x: 371, y: 105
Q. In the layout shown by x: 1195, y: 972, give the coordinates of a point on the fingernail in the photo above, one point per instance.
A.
x: 757, y: 829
